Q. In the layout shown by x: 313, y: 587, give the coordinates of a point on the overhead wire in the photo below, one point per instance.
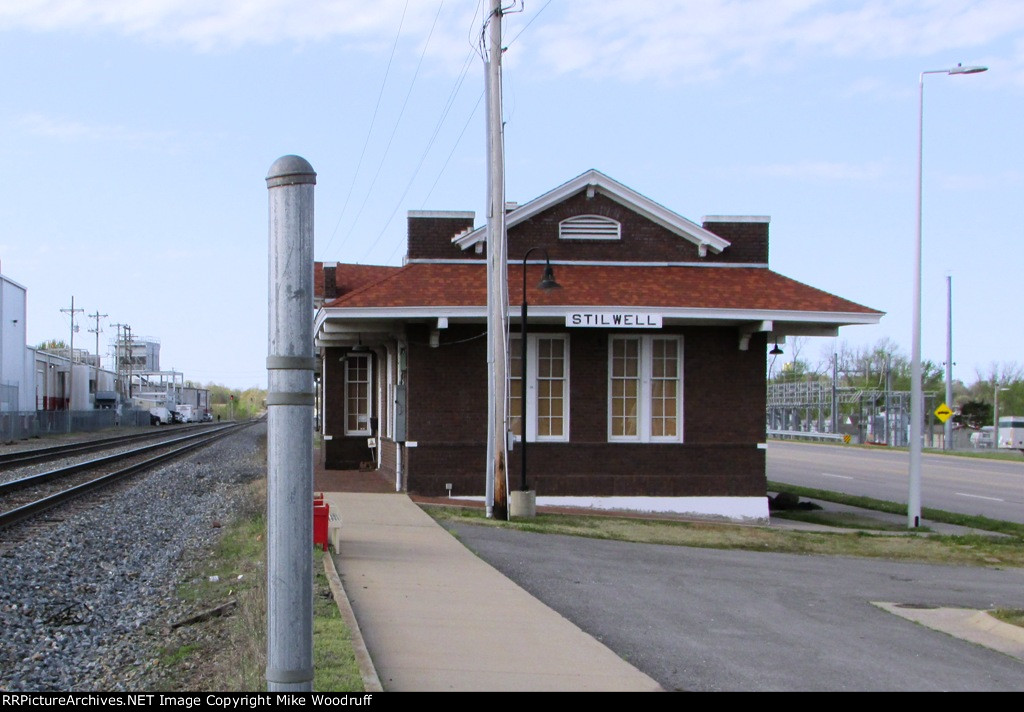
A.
x: 394, y: 129
x: 369, y: 132
x: 478, y: 49
x: 450, y: 101
x: 465, y: 126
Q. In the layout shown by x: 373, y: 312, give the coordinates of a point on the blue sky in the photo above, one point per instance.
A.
x: 136, y: 135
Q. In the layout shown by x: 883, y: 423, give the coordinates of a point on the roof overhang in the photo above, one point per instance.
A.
x: 368, y: 320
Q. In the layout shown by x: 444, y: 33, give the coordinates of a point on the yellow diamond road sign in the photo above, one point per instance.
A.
x: 943, y: 412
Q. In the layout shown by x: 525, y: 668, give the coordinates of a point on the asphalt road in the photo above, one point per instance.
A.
x: 702, y: 619
x: 994, y: 488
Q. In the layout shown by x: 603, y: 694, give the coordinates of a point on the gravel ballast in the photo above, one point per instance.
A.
x: 84, y: 600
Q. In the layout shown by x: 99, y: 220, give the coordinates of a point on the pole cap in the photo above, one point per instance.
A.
x: 290, y: 170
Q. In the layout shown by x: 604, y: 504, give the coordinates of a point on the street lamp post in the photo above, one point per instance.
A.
x: 995, y: 418
x: 547, y: 282
x: 916, y: 395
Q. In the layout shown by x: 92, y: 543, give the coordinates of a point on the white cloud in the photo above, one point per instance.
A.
x: 224, y: 23
x: 962, y: 182
x: 69, y: 130
x: 694, y: 40
x: 821, y: 170
x: 670, y: 40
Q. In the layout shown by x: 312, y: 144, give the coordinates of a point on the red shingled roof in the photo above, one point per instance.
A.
x: 348, y: 277
x: 461, y: 285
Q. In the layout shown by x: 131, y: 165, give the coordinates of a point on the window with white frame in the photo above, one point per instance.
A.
x: 645, y: 388
x: 547, y: 387
x: 358, y: 378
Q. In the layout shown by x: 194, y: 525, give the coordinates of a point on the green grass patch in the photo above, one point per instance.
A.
x: 230, y: 653
x: 175, y: 656
x: 936, y: 515
x: 1014, y: 616
x: 844, y: 520
x: 1008, y: 455
x: 904, y: 546
x: 334, y: 661
x: 1005, y: 455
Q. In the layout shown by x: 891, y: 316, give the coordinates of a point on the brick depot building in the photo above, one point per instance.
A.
x: 646, y: 368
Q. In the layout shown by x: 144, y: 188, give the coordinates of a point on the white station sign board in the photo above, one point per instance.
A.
x: 614, y: 320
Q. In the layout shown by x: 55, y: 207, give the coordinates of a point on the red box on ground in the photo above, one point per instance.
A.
x: 321, y: 515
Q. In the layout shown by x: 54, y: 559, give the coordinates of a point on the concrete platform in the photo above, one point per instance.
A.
x: 434, y: 617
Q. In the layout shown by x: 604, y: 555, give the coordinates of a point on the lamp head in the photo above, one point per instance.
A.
x: 960, y: 69
x: 548, y: 280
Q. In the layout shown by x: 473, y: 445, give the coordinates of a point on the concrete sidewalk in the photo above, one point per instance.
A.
x: 435, y: 617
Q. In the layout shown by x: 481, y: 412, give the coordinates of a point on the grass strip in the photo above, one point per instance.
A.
x: 335, y: 668
x: 1004, y: 455
x: 229, y: 653
x: 970, y: 550
x: 973, y: 521
x: 1014, y: 616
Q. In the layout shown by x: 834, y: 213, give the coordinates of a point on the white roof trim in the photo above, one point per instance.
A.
x: 590, y: 263
x: 737, y: 218
x: 779, y: 317
x: 465, y: 214
x: 671, y: 221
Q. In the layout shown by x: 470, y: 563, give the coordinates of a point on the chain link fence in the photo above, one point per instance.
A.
x: 19, y: 425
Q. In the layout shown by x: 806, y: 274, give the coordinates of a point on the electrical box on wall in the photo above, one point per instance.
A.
x: 400, y: 396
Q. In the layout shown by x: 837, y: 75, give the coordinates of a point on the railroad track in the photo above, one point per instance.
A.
x: 19, y: 458
x: 26, y: 497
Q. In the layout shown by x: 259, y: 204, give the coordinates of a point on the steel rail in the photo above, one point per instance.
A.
x: 24, y: 457
x: 37, y: 479
x: 24, y: 512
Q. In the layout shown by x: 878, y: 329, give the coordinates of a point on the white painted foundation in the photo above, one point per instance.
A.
x: 735, y: 508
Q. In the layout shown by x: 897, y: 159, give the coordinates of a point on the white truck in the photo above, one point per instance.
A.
x: 160, y: 416
x: 186, y: 413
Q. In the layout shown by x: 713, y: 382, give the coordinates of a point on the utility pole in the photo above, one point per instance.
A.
x: 97, y: 316
x: 129, y: 350
x: 497, y: 273
x: 117, y: 360
x: 71, y: 357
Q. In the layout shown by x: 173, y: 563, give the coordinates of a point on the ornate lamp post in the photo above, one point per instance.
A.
x: 547, y: 282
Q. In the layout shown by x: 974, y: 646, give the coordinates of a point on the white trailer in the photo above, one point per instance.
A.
x: 1011, y: 432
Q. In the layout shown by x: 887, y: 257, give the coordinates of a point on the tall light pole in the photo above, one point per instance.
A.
x: 916, y: 394
x: 947, y: 433
x: 995, y: 417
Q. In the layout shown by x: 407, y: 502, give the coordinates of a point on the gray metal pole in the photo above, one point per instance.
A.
x: 916, y: 389
x: 947, y: 432
x: 835, y: 376
x: 290, y: 366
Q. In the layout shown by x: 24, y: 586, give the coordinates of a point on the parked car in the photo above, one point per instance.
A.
x: 982, y: 439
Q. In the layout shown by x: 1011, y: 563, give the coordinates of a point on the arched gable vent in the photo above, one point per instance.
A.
x: 589, y: 227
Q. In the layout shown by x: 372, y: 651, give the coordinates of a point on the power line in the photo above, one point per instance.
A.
x: 394, y: 129
x: 430, y: 143
x: 373, y: 119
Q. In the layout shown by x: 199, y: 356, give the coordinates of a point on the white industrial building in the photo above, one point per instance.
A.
x: 17, y: 392
x: 39, y: 387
